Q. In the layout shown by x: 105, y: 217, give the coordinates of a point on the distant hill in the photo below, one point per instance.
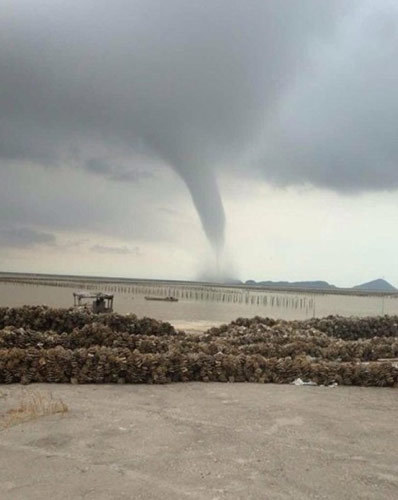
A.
x: 320, y: 285
x: 379, y: 285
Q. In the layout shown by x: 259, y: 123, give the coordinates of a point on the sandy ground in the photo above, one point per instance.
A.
x: 204, y: 441
x: 195, y: 326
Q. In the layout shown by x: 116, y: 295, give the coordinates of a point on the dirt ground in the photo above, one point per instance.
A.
x: 203, y: 441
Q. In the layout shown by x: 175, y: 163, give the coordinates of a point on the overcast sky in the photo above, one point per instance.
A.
x: 140, y: 137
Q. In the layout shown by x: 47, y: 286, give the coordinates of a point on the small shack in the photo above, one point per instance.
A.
x: 102, y: 303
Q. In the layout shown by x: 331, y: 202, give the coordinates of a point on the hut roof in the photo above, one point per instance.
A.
x: 98, y: 295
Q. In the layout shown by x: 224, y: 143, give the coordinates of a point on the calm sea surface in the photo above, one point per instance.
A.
x: 199, y: 306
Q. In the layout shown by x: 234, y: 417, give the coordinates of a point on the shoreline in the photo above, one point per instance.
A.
x: 69, y: 280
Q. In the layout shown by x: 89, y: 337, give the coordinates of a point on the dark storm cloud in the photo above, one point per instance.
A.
x: 24, y: 237
x: 198, y: 84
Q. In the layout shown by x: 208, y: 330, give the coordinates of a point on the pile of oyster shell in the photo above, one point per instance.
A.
x: 40, y: 344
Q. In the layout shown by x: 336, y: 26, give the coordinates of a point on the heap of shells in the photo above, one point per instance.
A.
x: 42, y: 318
x: 39, y: 344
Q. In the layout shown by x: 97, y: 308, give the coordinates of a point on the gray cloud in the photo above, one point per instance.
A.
x: 115, y: 250
x: 115, y: 173
x: 337, y: 127
x: 191, y: 84
x: 80, y: 204
x: 24, y: 237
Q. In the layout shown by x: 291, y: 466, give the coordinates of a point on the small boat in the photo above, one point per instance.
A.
x: 163, y: 299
